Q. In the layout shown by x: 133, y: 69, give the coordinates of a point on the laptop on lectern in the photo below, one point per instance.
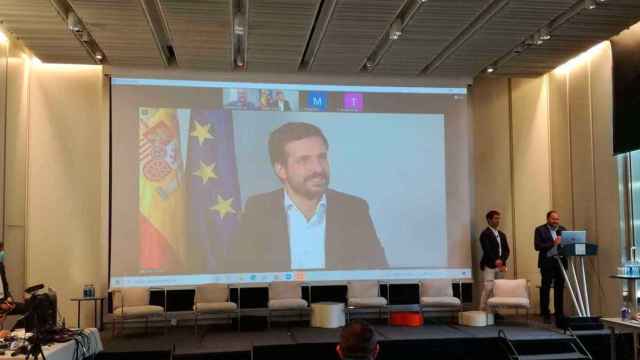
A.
x: 574, y: 237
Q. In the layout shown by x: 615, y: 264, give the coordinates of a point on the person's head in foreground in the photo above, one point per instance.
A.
x: 358, y: 341
x: 299, y: 157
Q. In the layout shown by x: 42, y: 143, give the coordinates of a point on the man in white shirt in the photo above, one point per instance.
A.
x: 305, y: 224
x: 495, y: 252
x: 281, y: 103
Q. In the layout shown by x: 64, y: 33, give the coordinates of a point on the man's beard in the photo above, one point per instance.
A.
x: 303, y: 189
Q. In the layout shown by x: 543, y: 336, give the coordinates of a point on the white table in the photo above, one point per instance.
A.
x: 65, y: 351
x: 618, y: 324
x: 327, y: 314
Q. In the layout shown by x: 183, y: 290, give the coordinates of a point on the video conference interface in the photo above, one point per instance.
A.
x: 216, y: 182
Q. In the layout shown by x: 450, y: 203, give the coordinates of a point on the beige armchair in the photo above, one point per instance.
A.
x: 212, y: 299
x: 364, y: 295
x: 285, y: 296
x: 133, y: 304
x: 437, y: 295
x: 512, y: 294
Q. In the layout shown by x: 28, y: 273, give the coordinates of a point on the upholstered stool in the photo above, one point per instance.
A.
x: 475, y: 318
x: 406, y: 318
x: 327, y: 314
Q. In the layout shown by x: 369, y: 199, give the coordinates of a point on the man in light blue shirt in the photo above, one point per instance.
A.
x: 306, y: 237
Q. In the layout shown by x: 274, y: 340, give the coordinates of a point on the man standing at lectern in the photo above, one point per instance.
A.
x: 547, y: 239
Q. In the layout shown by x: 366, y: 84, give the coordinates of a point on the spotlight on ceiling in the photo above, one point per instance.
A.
x: 99, y: 56
x: 238, y: 24
x: 396, y: 29
x: 490, y: 69
x: 519, y: 49
x: 369, y: 64
x: 545, y: 34
x: 589, y: 4
x: 73, y: 22
x: 239, y: 61
x: 537, y: 40
x: 239, y: 9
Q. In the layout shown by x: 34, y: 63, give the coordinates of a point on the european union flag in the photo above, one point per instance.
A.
x: 213, y: 189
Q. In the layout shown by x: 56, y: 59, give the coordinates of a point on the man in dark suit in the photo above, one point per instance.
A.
x: 281, y: 104
x: 495, y: 252
x: 547, y: 239
x: 304, y: 225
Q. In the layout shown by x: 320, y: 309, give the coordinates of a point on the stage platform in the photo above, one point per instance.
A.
x: 431, y: 341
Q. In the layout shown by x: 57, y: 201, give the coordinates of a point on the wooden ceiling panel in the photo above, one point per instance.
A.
x: 514, y: 23
x: 121, y: 30
x: 573, y: 37
x: 278, y: 31
x: 39, y: 26
x: 353, y: 31
x: 201, y: 31
x: 435, y: 25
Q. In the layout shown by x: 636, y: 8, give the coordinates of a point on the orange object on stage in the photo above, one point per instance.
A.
x: 406, y: 318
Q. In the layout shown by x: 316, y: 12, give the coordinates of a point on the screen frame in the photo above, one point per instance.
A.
x: 137, y: 81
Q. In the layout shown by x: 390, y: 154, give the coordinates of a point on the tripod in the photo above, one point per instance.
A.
x: 35, y: 349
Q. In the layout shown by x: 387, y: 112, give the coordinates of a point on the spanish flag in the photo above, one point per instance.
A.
x: 161, y: 191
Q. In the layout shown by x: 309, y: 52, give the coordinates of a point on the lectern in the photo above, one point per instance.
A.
x: 576, y: 281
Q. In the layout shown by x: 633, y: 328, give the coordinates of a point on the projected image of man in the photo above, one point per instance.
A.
x: 281, y: 103
x: 242, y: 101
x: 305, y: 224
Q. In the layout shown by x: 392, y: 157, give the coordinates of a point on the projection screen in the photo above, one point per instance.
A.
x: 222, y: 182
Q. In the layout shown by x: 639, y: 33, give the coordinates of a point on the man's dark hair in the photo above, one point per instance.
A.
x: 358, y: 341
x: 491, y: 214
x: 290, y: 132
x: 551, y: 212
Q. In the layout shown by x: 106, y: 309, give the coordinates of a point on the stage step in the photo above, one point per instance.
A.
x: 569, y: 348
x: 558, y: 356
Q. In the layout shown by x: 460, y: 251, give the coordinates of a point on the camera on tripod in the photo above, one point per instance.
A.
x: 41, y: 309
